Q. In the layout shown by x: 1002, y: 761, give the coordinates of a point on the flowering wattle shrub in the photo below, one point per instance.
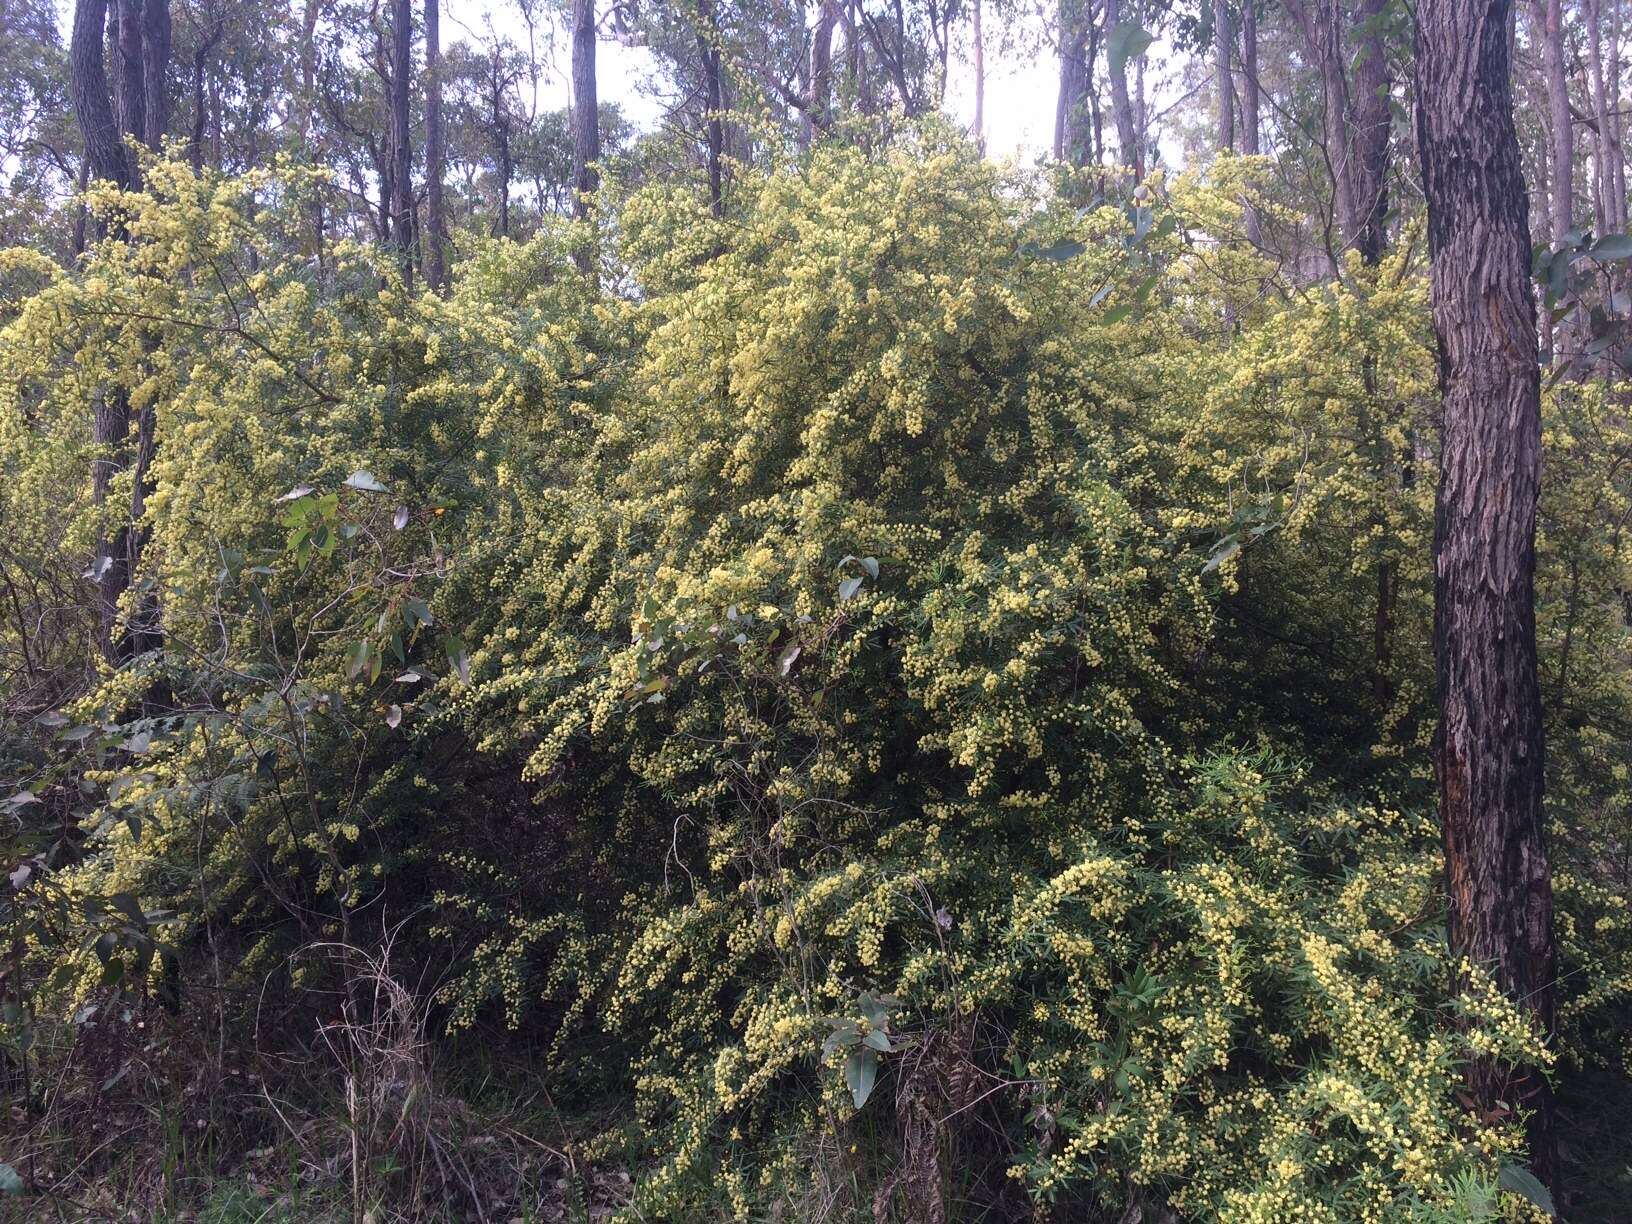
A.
x: 899, y: 700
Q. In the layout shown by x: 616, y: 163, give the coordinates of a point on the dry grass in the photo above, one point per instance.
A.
x: 143, y: 1117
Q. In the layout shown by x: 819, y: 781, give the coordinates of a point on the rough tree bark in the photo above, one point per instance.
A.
x: 402, y: 149
x: 980, y: 78
x: 586, y: 119
x: 436, y: 224
x: 1130, y: 144
x: 155, y: 66
x: 500, y: 112
x: 305, y: 102
x: 1223, y: 42
x: 818, y: 115
x: 129, y: 86
x: 1368, y: 162
x: 1249, y: 105
x: 586, y: 129
x: 1489, y: 746
x: 708, y: 48
x: 1249, y: 75
x: 88, y: 84
x: 142, y: 56
x: 1549, y: 16
x: 201, y: 55
x: 1069, y: 119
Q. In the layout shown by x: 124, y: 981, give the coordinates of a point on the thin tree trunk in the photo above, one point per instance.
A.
x: 1618, y: 161
x: 129, y: 84
x: 1129, y: 145
x: 1069, y: 119
x: 501, y: 123
x: 980, y: 79
x: 155, y: 70
x: 142, y: 54
x: 708, y: 48
x: 1249, y: 82
x: 305, y: 103
x: 1600, y: 114
x: 81, y: 213
x: 1368, y: 162
x: 1560, y: 142
x: 818, y: 114
x: 195, y: 143
x: 402, y: 150
x: 1489, y: 745
x: 586, y: 118
x: 1223, y: 41
x: 436, y: 225
x: 1249, y: 105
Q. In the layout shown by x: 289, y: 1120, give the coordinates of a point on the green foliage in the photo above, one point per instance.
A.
x: 908, y: 688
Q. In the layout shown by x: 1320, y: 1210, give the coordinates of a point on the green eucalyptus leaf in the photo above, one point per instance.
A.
x: 1520, y: 1181
x: 861, y: 1074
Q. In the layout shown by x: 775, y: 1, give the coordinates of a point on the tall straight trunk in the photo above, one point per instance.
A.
x: 859, y: 68
x: 586, y: 120
x: 1616, y: 124
x: 129, y: 84
x: 436, y: 223
x: 1355, y: 119
x: 1095, y: 138
x: 1560, y: 142
x: 1600, y: 118
x: 818, y: 113
x: 195, y: 141
x: 155, y: 69
x: 1249, y: 82
x: 1223, y: 42
x: 93, y: 105
x: 1612, y: 184
x: 501, y: 124
x: 1249, y: 103
x: 1368, y: 161
x: 1129, y: 144
x: 1488, y: 751
x: 141, y: 55
x: 402, y: 149
x: 81, y: 213
x: 708, y: 49
x: 305, y: 103
x: 1071, y: 141
x: 586, y: 128
x: 980, y: 79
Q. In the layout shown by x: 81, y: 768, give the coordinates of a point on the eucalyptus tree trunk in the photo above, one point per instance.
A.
x: 708, y: 49
x: 1130, y: 145
x: 93, y: 105
x: 139, y: 107
x: 1488, y: 750
x: 1368, y: 160
x: 980, y: 78
x: 821, y: 65
x: 436, y: 224
x: 1223, y: 43
x: 1549, y: 15
x: 1071, y: 138
x: 402, y: 154
x: 129, y: 83
x: 1249, y: 84
x: 586, y: 128
x: 155, y: 68
x: 1249, y: 103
